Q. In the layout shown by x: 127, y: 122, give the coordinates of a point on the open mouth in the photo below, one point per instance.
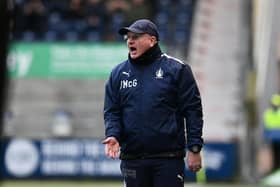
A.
x: 132, y: 49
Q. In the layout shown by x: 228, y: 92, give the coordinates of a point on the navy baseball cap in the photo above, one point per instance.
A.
x: 141, y: 26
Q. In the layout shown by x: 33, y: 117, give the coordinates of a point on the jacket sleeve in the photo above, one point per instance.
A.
x: 112, y: 110
x: 190, y: 106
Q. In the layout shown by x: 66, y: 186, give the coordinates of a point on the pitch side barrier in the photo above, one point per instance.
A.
x: 83, y: 158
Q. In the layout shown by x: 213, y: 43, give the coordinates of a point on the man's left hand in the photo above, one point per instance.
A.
x: 194, y: 161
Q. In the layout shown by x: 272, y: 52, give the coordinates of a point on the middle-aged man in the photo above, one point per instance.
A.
x: 152, y: 106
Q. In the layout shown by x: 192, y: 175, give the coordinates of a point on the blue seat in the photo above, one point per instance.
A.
x: 183, y: 19
x: 93, y: 36
x: 185, y: 3
x: 28, y: 36
x: 54, y: 20
x: 163, y: 5
x: 71, y: 36
x: 117, y: 21
x: 51, y: 35
x: 161, y: 19
x: 164, y: 34
x: 180, y: 36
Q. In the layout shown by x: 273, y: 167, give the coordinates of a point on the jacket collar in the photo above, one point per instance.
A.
x: 148, y: 57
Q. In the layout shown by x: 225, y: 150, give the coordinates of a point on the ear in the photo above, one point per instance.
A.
x: 153, y: 41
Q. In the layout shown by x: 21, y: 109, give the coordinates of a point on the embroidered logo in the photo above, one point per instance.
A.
x: 159, y: 74
x: 180, y: 177
x: 126, y: 73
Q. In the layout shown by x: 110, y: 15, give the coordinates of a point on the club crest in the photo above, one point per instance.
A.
x: 159, y: 74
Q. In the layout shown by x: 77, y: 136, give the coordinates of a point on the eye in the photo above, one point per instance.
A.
x: 133, y: 36
x: 136, y: 36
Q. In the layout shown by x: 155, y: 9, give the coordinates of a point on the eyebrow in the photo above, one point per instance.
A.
x: 133, y: 35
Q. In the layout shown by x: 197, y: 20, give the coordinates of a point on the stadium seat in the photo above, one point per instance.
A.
x: 93, y: 36
x: 161, y: 19
x: 180, y: 36
x: 51, y: 36
x: 183, y: 19
x: 71, y: 36
x: 28, y: 36
x: 163, y: 4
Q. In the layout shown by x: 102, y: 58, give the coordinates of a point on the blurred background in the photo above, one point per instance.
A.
x: 61, y: 53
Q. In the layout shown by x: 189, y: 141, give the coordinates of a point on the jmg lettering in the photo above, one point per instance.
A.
x: 128, y: 83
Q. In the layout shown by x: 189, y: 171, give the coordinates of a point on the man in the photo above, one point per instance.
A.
x: 272, y: 128
x: 148, y: 99
x: 272, y: 114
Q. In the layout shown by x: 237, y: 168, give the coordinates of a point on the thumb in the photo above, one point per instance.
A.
x: 108, y: 140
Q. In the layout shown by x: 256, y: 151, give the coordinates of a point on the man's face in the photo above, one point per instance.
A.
x: 139, y: 43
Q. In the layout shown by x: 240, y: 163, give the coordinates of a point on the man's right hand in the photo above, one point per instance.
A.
x: 112, y: 147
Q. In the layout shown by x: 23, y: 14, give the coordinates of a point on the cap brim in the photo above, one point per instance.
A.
x: 125, y: 30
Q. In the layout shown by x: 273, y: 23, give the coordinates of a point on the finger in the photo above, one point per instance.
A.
x: 109, y: 154
x: 192, y: 168
x: 107, y: 150
x: 196, y: 168
x: 116, y: 154
x: 112, y: 153
x: 116, y: 149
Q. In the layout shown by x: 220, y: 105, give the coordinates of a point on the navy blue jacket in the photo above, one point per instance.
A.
x: 147, y: 106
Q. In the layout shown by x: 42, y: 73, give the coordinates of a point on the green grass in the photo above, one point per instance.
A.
x: 95, y: 184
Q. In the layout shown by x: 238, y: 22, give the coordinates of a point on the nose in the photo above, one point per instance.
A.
x: 129, y: 41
